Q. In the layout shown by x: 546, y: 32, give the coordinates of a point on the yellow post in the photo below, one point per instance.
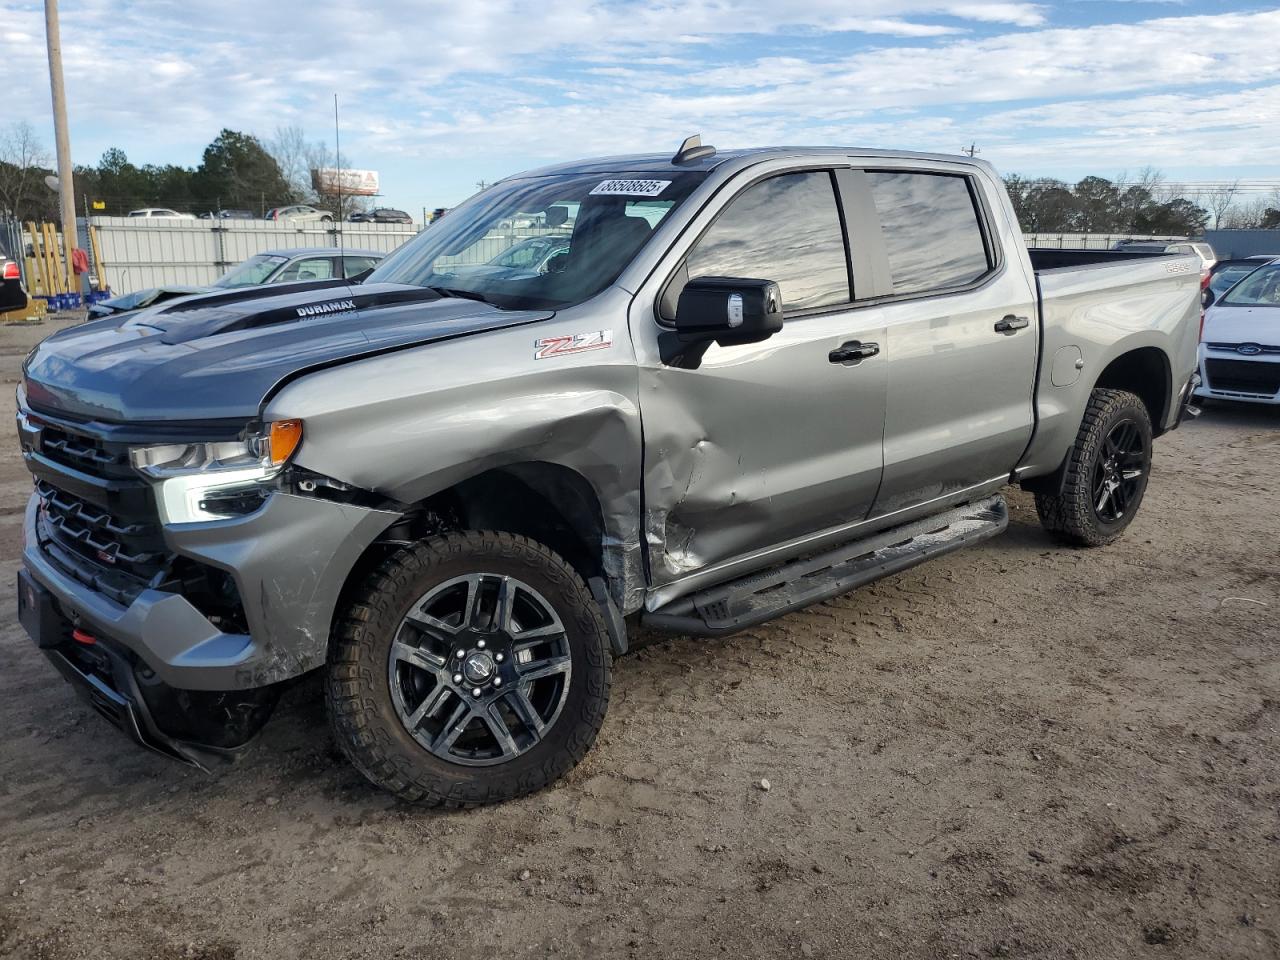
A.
x: 51, y: 253
x: 37, y: 251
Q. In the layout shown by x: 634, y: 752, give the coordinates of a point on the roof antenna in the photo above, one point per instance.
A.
x: 337, y: 163
x: 692, y: 149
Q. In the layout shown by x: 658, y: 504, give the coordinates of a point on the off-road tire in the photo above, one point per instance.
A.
x: 1070, y: 516
x: 359, y: 699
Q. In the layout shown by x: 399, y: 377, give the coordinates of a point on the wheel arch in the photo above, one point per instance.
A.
x: 548, y: 502
x: 1147, y: 373
x: 1144, y: 371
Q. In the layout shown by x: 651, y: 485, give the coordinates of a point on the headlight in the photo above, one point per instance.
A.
x: 211, y: 480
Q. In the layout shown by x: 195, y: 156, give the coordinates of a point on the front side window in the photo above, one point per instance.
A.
x: 785, y: 229
x: 587, y: 228
x: 932, y: 234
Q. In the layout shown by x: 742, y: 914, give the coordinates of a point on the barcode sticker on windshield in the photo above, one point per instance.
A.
x: 630, y: 188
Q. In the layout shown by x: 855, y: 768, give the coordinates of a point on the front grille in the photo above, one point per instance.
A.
x: 97, y: 518
x: 1243, y: 376
x: 98, y: 521
x: 132, y: 546
x: 1262, y: 348
x: 83, y: 452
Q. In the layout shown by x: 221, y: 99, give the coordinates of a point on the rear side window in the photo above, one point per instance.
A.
x: 932, y: 234
x: 785, y: 229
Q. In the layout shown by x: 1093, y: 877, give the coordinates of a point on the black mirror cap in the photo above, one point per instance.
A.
x: 728, y: 310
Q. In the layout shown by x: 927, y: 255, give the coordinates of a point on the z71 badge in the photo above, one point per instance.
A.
x: 549, y: 347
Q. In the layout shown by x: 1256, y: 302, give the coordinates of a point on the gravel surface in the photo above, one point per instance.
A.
x: 1019, y: 750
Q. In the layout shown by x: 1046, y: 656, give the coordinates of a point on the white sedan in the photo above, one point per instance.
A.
x: 1240, y: 346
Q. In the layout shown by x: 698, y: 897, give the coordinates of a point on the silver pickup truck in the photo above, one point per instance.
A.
x: 740, y: 383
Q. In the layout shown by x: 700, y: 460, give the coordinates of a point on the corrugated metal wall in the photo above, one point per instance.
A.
x: 138, y: 253
x: 1244, y: 243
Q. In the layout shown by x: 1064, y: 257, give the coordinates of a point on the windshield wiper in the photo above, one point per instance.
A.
x: 462, y: 294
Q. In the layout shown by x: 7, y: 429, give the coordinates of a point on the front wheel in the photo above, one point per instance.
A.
x: 1107, y: 472
x: 472, y: 668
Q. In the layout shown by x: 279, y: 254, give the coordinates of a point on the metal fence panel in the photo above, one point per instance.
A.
x: 150, y: 252
x: 1085, y: 241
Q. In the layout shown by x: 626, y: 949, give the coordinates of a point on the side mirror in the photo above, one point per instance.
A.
x: 1207, y: 298
x: 728, y: 311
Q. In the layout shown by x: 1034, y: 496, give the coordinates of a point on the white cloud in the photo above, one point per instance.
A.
x: 497, y: 83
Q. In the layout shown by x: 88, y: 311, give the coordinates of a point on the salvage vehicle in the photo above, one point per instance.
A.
x: 755, y: 380
x: 1240, y: 348
x: 274, y: 266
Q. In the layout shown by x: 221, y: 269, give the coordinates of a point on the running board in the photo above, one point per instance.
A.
x: 754, y: 599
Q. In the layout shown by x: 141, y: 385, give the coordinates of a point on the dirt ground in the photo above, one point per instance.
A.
x: 1015, y: 751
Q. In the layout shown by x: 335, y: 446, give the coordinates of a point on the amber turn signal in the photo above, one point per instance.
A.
x: 285, y: 437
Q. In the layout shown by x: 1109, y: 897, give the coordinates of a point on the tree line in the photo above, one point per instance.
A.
x: 1145, y: 205
x: 236, y: 171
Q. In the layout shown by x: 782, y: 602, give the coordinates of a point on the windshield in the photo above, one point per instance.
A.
x: 1224, y: 277
x: 543, y: 242
x: 252, y: 272
x: 1260, y: 289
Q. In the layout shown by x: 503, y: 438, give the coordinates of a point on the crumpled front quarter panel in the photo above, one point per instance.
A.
x: 412, y: 423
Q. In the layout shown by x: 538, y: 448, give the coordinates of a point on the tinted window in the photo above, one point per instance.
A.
x: 932, y: 234
x: 785, y: 229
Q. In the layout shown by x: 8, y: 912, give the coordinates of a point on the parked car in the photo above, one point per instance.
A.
x: 300, y: 213
x: 13, y: 296
x: 1240, y: 352
x: 525, y: 258
x: 275, y: 266
x: 381, y: 215
x: 229, y: 215
x: 1227, y: 273
x: 164, y: 212
x: 757, y: 379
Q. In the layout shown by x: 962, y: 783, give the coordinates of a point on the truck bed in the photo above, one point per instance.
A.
x: 1099, y: 303
x: 1049, y: 258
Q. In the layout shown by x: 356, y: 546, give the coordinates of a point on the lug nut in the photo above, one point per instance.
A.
x: 497, y: 681
x: 460, y: 653
x: 457, y: 678
x: 475, y: 691
x: 498, y: 657
x: 480, y: 644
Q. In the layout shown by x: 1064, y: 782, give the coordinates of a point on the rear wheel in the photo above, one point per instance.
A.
x: 1107, y: 472
x: 473, y: 668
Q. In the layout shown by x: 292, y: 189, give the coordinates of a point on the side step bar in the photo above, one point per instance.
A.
x: 752, y: 600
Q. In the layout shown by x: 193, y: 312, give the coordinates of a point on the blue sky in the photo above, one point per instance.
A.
x: 437, y: 96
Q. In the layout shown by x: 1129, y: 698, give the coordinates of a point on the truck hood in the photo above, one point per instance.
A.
x: 1227, y: 324
x: 221, y: 355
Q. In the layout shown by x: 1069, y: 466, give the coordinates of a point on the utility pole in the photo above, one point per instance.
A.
x: 62, y: 137
x: 971, y: 149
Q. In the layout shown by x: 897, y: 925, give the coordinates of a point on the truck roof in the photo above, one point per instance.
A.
x: 663, y: 162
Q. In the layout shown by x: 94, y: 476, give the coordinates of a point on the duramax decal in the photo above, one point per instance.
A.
x: 333, y: 306
x: 572, y: 343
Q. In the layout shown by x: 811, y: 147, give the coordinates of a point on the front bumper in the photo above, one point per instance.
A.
x: 1230, y: 375
x: 289, y: 561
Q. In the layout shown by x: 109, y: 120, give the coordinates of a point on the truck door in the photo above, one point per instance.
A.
x: 961, y: 337
x: 766, y: 442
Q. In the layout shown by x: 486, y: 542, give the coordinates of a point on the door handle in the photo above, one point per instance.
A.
x: 1011, y: 324
x: 853, y: 352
